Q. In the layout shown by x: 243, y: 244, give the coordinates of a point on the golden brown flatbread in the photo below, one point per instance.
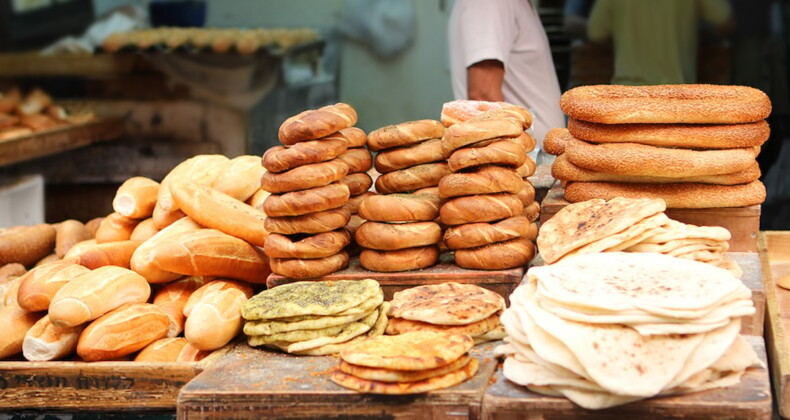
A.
x: 400, y: 326
x: 448, y: 303
x: 416, y: 350
x: 377, y: 387
x: 390, y: 375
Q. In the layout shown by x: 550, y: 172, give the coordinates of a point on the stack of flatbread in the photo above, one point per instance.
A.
x: 411, y: 363
x: 631, y: 225
x: 451, y: 308
x: 315, y: 317
x: 609, y: 329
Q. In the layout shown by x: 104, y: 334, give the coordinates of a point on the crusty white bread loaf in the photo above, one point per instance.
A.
x: 191, y: 353
x: 240, y: 177
x: 404, y: 134
x: 392, y: 236
x: 209, y: 252
x: 115, y: 227
x: 163, y: 350
x: 8, y: 273
x: 48, y: 259
x: 173, y: 297
x: 472, y: 235
x: 282, y: 158
x: 322, y: 221
x: 214, y: 314
x: 93, y: 294
x: 143, y: 261
x: 217, y: 210
x: 26, y: 244
x: 47, y: 341
x: 15, y: 323
x: 144, y: 230
x: 480, y: 208
x: 257, y: 199
x: 38, y: 286
x: 304, y: 177
x: 296, y: 203
x: 403, y: 157
x: 487, y: 179
x: 95, y: 255
x: 299, y: 268
x: 122, y: 331
x: 68, y: 233
x: 316, y: 123
x: 164, y: 218
x: 12, y: 292
x: 212, y: 286
x: 400, y: 208
x: 319, y: 245
x: 399, y: 260
x: 200, y: 169
x: 497, y: 256
x: 136, y: 197
x: 93, y: 225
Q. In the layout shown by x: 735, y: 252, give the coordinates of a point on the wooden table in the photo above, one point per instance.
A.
x: 776, y: 260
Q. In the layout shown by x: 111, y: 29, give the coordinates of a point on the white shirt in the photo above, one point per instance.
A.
x: 509, y: 31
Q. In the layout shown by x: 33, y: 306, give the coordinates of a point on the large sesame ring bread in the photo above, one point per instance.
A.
x: 404, y: 157
x: 322, y: 221
x: 282, y: 158
x: 401, y: 260
x: 304, y: 177
x: 556, y: 140
x: 483, y: 180
x: 686, y: 195
x: 413, y: 178
x: 690, y: 104
x: 497, y: 256
x: 703, y: 136
x: 357, y: 183
x: 472, y: 235
x: 502, y: 152
x: 311, y: 200
x: 474, y: 131
x: 316, y: 123
x: 297, y: 268
x: 480, y: 208
x: 392, y: 236
x: 404, y: 134
x: 400, y: 208
x: 320, y: 245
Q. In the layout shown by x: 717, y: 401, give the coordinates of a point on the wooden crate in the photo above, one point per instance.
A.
x: 250, y: 383
x: 775, y: 246
x: 742, y: 222
x: 749, y: 399
x: 500, y: 281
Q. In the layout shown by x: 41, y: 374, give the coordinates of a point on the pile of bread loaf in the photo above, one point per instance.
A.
x: 490, y: 206
x: 175, y: 258
x: 692, y: 145
x: 307, y: 212
x: 35, y: 111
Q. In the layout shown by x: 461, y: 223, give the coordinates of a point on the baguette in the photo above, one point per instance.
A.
x: 257, y: 199
x: 191, y: 353
x: 214, y: 314
x: 95, y: 255
x: 136, y: 197
x: 15, y: 323
x: 144, y: 230
x: 143, y: 261
x: 201, y: 169
x: 9, y: 273
x: 163, y: 350
x: 115, y: 227
x: 122, y: 331
x: 93, y: 225
x: 47, y: 341
x: 93, y: 294
x: 26, y: 244
x: 164, y: 218
x: 39, y: 285
x: 11, y: 297
x: 48, y: 259
x: 240, y: 177
x: 172, y: 299
x: 68, y: 233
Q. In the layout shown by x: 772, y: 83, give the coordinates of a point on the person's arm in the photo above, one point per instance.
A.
x: 484, y: 80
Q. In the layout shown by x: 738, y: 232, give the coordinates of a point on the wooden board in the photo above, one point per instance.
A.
x: 754, y: 278
x: 96, y: 65
x: 500, y: 281
x: 750, y: 399
x: 742, y: 222
x: 251, y: 383
x: 775, y: 253
x: 49, y: 142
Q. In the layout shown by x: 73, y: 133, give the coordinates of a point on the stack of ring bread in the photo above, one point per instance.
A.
x: 307, y: 210
x: 692, y: 145
x: 140, y: 283
x: 359, y: 161
x: 489, y: 207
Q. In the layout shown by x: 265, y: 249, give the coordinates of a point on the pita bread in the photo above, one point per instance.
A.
x: 431, y: 384
x: 497, y: 333
x: 674, y: 230
x: 448, y: 303
x: 626, y: 235
x: 416, y: 350
x: 389, y: 375
x: 377, y: 329
x: 579, y: 224
x: 400, y: 326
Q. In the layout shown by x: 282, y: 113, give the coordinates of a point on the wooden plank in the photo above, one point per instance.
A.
x: 775, y: 257
x: 749, y: 399
x: 500, y: 281
x: 754, y: 278
x: 250, y: 383
x: 742, y: 222
x: 33, y: 64
x: 49, y: 142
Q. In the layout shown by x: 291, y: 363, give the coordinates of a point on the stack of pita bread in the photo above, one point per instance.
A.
x: 630, y: 225
x: 315, y: 317
x: 415, y: 362
x: 608, y: 329
x: 451, y: 308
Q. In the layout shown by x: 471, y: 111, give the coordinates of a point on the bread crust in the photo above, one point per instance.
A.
x: 393, y: 236
x: 304, y: 177
x: 400, y: 208
x: 320, y: 245
x: 311, y: 200
x: 399, y: 260
x: 316, y: 123
x: 404, y: 157
x: 472, y: 235
x: 503, y: 153
x: 404, y: 134
x: 475, y: 130
x: 357, y: 183
x: 309, y: 268
x: 322, y: 221
x: 497, y: 256
x: 487, y: 179
x: 480, y: 208
x: 684, y: 195
x: 413, y: 178
x: 281, y: 158
x: 357, y: 159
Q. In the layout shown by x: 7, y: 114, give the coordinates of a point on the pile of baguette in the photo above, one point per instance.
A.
x: 25, y: 113
x: 162, y: 278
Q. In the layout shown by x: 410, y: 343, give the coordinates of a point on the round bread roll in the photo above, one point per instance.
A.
x: 497, y: 256
x: 320, y: 245
x: 311, y: 200
x: 484, y: 180
x: 357, y: 159
x: 404, y: 134
x: 473, y: 131
x: 281, y: 158
x: 688, y: 104
x: 410, y: 179
x: 480, y: 208
x: 355, y: 201
x: 316, y: 123
x: 704, y: 136
x: 504, y: 153
x: 296, y: 268
x: 357, y: 183
x: 304, y: 177
x: 400, y: 208
x: 527, y: 193
x: 401, y: 260
x: 322, y: 221
x: 473, y: 235
x: 404, y: 157
x: 392, y: 236
x: 354, y: 136
x: 527, y: 169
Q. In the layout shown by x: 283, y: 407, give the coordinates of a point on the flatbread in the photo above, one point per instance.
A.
x: 497, y: 333
x: 416, y: 350
x: 678, y: 230
x: 268, y: 327
x: 400, y: 326
x: 389, y: 375
x: 626, y: 235
x: 310, y: 298
x: 431, y: 384
x: 448, y: 303
x: 377, y: 329
x: 579, y: 224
